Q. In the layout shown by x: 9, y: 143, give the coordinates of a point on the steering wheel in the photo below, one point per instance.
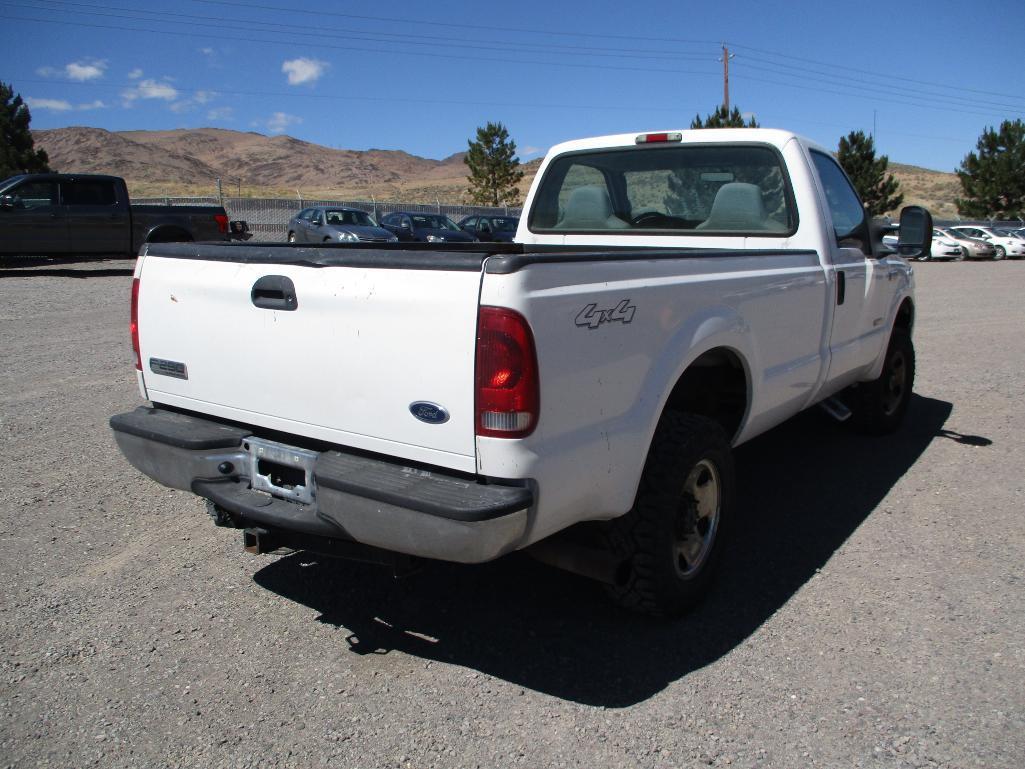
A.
x: 648, y: 218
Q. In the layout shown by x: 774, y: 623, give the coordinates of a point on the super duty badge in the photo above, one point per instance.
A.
x: 592, y: 317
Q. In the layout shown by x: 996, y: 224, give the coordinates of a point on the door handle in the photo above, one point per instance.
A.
x: 841, y: 286
x: 274, y: 292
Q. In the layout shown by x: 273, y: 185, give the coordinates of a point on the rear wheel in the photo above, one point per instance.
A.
x: 672, y: 539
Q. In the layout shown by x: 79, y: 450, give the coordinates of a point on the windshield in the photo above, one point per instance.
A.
x: 347, y: 216
x: 433, y: 222
x: 716, y: 189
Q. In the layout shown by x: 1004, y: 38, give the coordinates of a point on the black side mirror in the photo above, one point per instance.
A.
x: 915, y: 238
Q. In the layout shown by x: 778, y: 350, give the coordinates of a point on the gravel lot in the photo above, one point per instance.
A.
x: 873, y: 613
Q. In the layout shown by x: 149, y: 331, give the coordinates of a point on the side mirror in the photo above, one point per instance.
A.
x: 915, y: 238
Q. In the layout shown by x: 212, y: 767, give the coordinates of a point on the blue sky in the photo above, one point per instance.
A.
x: 929, y: 76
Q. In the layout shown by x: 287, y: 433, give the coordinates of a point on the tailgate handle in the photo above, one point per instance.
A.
x: 274, y: 292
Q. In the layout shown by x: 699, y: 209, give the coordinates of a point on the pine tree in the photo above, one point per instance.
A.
x: 994, y: 179
x: 723, y: 119
x: 878, y: 190
x: 494, y: 167
x: 17, y: 152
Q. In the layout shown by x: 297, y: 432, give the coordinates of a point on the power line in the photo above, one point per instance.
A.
x: 369, y: 36
x: 189, y: 91
x: 291, y: 43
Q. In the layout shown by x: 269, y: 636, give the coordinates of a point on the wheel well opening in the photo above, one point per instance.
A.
x: 714, y: 386
x: 169, y: 235
x: 905, y: 316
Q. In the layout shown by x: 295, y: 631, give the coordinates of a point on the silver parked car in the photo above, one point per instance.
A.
x: 336, y: 225
x: 971, y: 248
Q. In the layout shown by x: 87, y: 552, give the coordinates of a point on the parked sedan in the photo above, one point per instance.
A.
x: 336, y: 225
x: 425, y: 228
x: 944, y: 247
x: 499, y: 229
x: 971, y: 248
x: 1003, y: 244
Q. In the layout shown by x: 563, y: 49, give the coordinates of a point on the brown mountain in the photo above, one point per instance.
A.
x: 189, y: 161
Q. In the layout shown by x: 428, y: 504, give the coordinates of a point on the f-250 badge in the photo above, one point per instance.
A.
x: 592, y: 317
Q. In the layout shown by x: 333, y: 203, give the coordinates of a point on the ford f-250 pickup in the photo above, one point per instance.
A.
x: 59, y: 214
x: 576, y: 393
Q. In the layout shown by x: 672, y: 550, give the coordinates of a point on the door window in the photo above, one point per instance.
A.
x: 844, y: 205
x: 34, y: 194
x: 89, y: 193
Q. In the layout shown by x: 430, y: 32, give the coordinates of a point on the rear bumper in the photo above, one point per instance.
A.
x: 369, y: 500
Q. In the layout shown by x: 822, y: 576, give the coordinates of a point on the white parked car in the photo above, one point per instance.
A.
x: 1005, y: 245
x: 944, y: 247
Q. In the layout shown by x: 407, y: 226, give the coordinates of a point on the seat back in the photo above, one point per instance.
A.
x: 737, y: 206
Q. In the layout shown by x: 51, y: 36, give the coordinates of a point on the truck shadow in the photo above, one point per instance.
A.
x: 544, y: 630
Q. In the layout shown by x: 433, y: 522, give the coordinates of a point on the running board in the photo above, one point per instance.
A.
x: 836, y: 409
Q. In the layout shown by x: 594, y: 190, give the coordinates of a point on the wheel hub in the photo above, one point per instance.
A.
x: 698, y: 518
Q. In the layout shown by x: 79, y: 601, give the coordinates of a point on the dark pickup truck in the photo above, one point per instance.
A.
x: 59, y: 214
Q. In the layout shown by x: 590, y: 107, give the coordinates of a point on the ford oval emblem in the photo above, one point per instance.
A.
x: 428, y: 412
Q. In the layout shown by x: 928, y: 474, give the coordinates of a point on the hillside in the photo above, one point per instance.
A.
x: 187, y: 162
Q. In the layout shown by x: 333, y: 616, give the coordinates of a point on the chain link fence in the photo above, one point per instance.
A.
x: 268, y: 217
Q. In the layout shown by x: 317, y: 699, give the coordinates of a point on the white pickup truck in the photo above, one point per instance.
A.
x: 576, y: 393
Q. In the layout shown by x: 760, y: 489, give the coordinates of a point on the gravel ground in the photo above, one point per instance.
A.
x: 872, y: 615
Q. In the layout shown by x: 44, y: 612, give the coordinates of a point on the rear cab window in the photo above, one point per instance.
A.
x: 704, y: 190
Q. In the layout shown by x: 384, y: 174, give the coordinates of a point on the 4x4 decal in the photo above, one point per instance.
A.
x: 592, y: 317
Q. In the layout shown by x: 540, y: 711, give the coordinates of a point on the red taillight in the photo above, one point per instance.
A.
x: 222, y: 222
x: 508, y: 400
x: 656, y: 138
x: 134, y: 325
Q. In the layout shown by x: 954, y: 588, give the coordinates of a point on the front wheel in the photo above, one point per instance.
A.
x: 878, y: 407
x: 671, y: 541
x: 291, y: 237
x: 1000, y: 253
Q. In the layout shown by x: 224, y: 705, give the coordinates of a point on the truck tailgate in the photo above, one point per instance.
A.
x: 361, y: 345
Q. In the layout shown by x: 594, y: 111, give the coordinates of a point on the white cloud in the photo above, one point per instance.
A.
x: 190, y: 103
x: 97, y: 104
x: 54, y: 105
x: 87, y: 69
x: 207, y: 51
x: 149, y: 89
x: 135, y: 74
x: 279, y: 121
x: 221, y: 113
x: 47, y: 71
x: 528, y: 151
x: 303, y: 70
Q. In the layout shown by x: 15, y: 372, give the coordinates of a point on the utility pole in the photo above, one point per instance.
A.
x: 726, y: 56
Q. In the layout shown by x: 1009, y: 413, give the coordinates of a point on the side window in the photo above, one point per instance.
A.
x: 469, y: 224
x: 317, y: 218
x: 305, y: 214
x: 89, y: 193
x: 844, y: 205
x: 484, y: 225
x: 34, y: 194
x: 407, y: 223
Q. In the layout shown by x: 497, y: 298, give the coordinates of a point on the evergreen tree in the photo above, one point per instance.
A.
x: 723, y: 119
x: 878, y: 190
x: 994, y: 179
x: 17, y: 152
x: 494, y: 167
